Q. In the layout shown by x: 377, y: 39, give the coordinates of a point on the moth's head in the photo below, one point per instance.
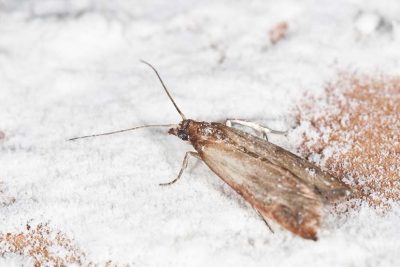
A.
x: 182, y: 130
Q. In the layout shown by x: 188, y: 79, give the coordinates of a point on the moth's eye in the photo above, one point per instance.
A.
x: 183, y: 135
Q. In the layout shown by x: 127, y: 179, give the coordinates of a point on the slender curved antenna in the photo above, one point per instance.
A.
x: 165, y: 88
x: 124, y: 130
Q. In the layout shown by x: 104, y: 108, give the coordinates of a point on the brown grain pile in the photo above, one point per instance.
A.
x: 353, y: 132
x: 44, y: 246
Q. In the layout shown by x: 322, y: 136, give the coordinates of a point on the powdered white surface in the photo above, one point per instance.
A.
x: 70, y: 68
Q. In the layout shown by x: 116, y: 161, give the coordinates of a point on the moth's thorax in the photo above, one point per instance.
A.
x: 199, y: 132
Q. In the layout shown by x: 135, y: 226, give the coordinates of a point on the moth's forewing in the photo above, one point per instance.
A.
x: 275, y: 192
x: 330, y: 188
x: 279, y: 184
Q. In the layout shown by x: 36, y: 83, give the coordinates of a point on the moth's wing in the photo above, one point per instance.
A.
x: 328, y: 186
x: 275, y: 192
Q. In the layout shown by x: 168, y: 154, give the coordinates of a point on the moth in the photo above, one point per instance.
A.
x: 278, y: 184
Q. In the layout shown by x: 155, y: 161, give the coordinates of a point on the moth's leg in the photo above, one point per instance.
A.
x: 184, y: 165
x: 263, y: 130
x: 269, y: 227
x: 228, y: 122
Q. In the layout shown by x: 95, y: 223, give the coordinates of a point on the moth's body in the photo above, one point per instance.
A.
x: 276, y: 182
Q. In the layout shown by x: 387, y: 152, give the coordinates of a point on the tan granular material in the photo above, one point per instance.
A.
x: 353, y: 132
x: 46, y: 247
x: 42, y: 245
x: 278, y: 32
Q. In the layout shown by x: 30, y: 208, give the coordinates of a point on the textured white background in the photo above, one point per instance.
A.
x: 71, y: 68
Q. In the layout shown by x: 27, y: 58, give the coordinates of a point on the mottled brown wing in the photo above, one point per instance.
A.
x: 274, y: 191
x: 330, y: 188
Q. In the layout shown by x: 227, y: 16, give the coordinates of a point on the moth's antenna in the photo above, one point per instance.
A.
x: 124, y: 130
x: 165, y: 88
